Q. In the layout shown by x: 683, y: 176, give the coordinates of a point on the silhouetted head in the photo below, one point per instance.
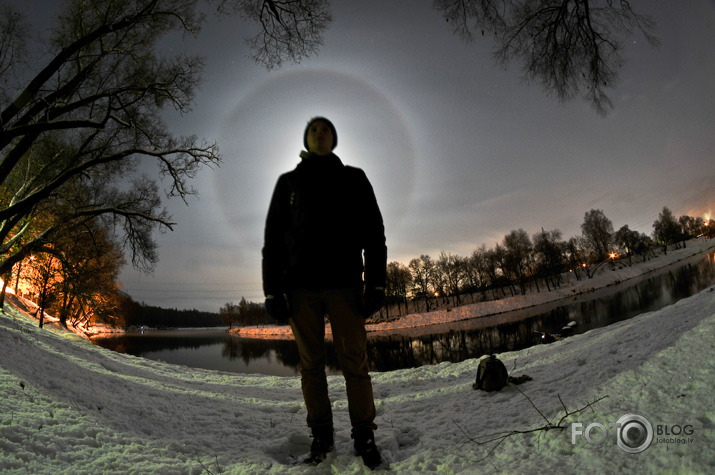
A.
x: 320, y: 136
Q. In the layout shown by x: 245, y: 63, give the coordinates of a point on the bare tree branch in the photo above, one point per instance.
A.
x: 498, y: 438
x: 290, y: 30
x: 570, y: 46
x: 88, y: 118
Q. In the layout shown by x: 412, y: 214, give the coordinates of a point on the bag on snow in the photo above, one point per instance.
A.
x: 491, y: 374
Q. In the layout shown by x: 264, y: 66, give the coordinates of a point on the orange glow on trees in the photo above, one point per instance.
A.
x: 73, y: 136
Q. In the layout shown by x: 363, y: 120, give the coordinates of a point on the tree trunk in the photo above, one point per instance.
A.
x: 2, y: 294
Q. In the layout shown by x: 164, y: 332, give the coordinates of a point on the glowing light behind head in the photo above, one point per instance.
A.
x: 263, y: 134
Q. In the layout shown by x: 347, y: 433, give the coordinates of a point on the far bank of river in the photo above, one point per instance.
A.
x: 607, y: 276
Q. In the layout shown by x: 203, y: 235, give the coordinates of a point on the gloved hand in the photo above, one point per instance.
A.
x: 277, y: 308
x: 374, y: 300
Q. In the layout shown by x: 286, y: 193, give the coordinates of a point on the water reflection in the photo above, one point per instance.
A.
x: 411, y: 348
x: 212, y: 349
x: 392, y: 352
x: 648, y: 295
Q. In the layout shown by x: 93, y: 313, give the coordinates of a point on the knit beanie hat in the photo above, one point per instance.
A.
x: 322, y: 119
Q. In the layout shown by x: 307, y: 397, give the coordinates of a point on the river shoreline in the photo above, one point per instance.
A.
x: 606, y: 276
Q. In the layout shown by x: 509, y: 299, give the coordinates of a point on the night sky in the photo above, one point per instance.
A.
x: 459, y: 150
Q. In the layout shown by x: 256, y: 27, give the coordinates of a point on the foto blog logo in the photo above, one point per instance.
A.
x: 632, y: 433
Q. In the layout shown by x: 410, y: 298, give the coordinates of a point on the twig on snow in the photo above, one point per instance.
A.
x: 500, y: 437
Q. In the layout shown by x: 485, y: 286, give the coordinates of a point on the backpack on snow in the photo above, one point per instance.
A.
x: 491, y: 374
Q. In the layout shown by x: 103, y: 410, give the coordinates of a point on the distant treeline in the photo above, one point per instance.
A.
x: 135, y: 314
x: 244, y: 314
x: 514, y: 266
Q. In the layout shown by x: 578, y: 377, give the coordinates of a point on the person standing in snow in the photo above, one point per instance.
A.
x: 325, y: 254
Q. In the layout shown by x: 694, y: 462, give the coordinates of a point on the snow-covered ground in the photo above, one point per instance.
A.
x: 69, y: 406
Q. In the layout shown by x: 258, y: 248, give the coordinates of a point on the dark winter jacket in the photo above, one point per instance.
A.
x: 323, y: 219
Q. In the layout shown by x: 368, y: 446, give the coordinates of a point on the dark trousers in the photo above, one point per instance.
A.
x: 343, y: 308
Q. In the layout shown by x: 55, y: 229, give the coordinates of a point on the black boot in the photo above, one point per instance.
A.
x: 366, y: 448
x: 323, y: 442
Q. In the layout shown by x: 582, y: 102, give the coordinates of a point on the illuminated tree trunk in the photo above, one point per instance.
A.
x: 4, y: 287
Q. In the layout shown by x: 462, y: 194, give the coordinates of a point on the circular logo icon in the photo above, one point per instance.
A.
x: 635, y: 433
